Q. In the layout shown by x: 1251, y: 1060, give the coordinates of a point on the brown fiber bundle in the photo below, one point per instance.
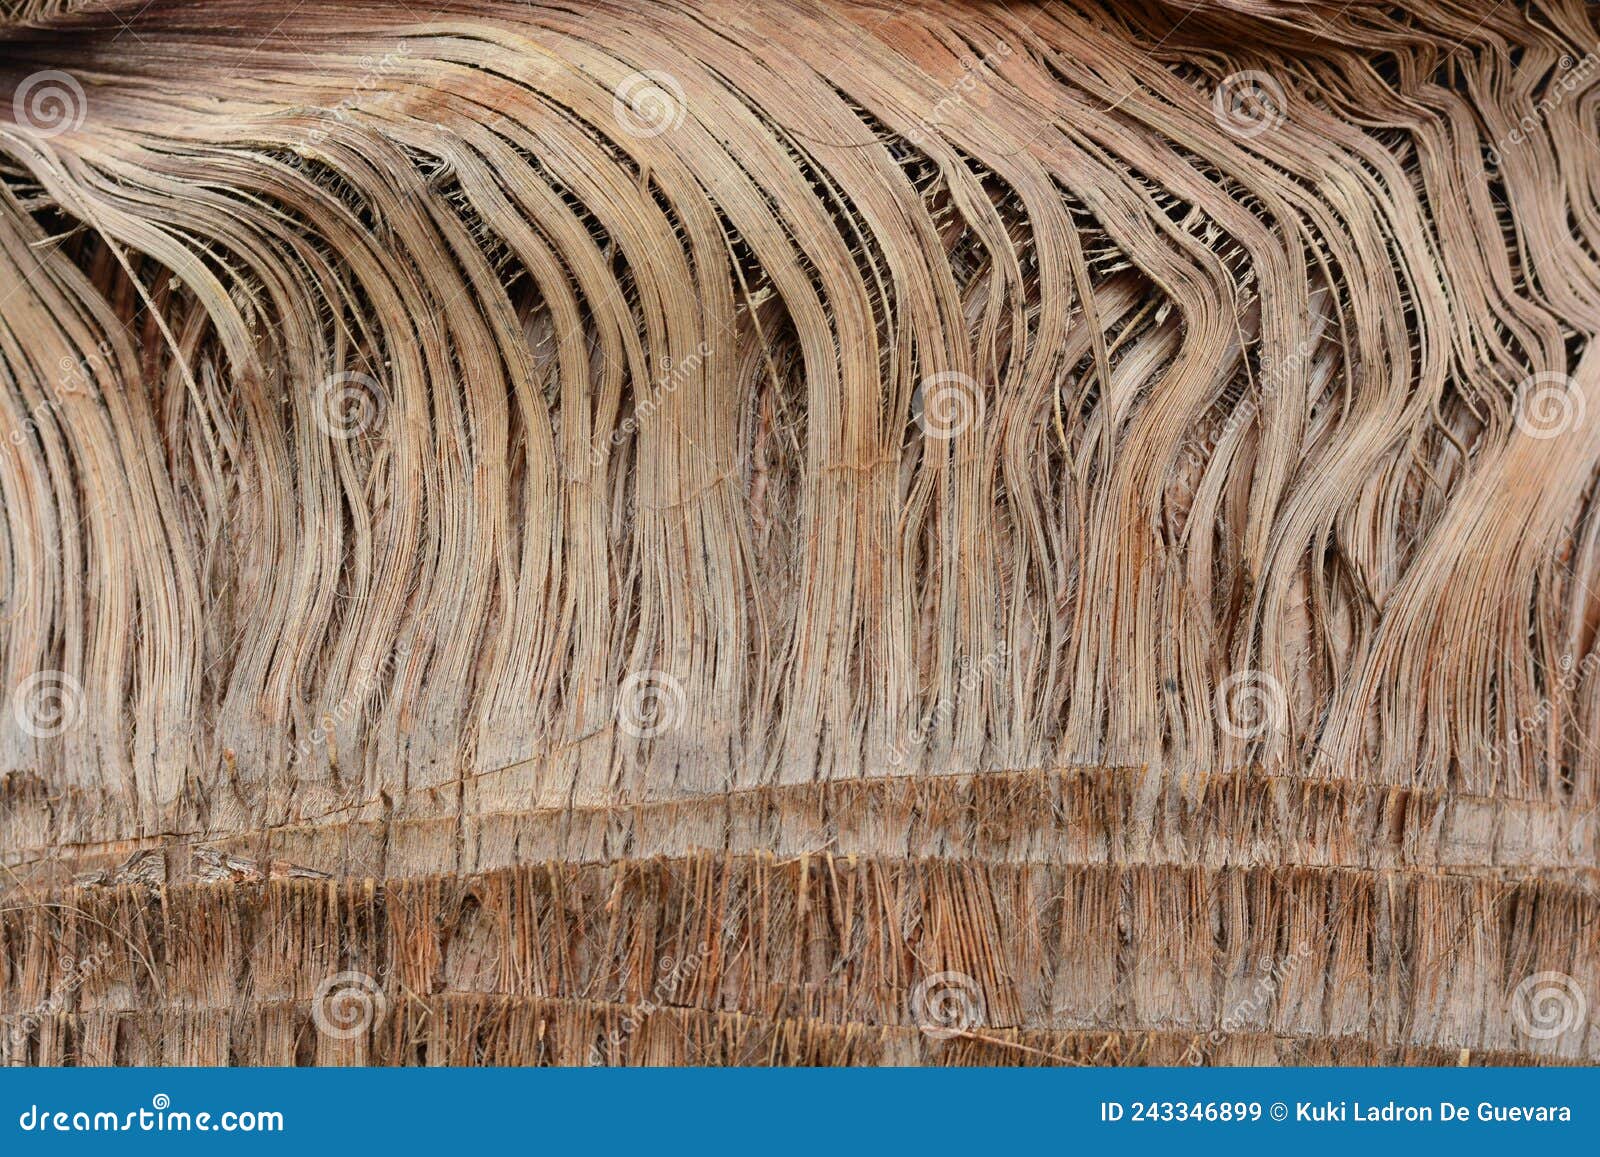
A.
x: 789, y: 531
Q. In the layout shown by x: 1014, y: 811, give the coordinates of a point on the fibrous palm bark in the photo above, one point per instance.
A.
x: 799, y: 531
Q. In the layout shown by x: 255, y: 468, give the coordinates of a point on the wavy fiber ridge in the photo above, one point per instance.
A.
x: 702, y: 427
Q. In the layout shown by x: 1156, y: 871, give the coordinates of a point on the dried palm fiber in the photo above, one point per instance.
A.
x: 750, y: 532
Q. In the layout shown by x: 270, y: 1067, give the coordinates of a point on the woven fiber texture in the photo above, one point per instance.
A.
x: 799, y: 531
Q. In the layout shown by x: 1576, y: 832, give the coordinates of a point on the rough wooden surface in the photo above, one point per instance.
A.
x: 809, y: 957
x: 1001, y: 532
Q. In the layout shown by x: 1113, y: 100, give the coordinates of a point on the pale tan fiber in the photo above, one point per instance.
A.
x: 652, y: 532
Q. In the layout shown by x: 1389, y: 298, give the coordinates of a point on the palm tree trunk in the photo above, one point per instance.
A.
x: 799, y: 531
